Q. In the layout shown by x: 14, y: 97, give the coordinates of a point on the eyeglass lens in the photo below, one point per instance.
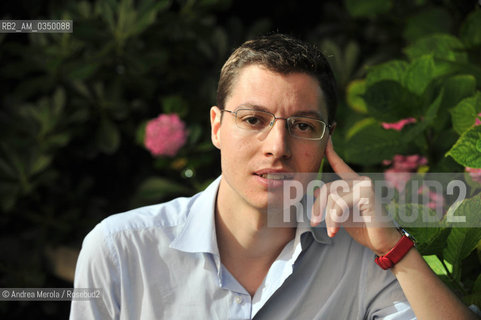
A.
x: 300, y: 127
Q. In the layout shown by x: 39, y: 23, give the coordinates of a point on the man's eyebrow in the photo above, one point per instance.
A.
x: 301, y: 113
x: 252, y: 106
x: 309, y: 114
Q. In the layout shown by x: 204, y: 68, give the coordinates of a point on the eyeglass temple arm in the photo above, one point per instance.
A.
x: 331, y: 127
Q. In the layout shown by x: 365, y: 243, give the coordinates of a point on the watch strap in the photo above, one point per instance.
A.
x: 395, y: 255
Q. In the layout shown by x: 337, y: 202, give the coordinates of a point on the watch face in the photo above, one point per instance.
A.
x: 407, y: 234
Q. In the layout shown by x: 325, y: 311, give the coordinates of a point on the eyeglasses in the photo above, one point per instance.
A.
x: 298, y: 127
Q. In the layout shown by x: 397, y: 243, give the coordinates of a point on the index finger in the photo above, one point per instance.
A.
x: 337, y: 164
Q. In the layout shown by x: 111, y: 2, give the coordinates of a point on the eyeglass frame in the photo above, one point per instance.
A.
x: 272, y: 123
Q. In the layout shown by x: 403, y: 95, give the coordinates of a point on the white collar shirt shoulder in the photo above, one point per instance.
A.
x: 162, y: 262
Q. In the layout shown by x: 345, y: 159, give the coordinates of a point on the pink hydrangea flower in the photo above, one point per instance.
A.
x: 397, y: 179
x: 402, y: 167
x: 436, y: 200
x: 408, y: 163
x: 477, y: 122
x: 165, y: 135
x: 474, y: 173
x: 398, y: 125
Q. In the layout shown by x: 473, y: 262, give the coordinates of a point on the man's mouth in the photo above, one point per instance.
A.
x: 275, y: 176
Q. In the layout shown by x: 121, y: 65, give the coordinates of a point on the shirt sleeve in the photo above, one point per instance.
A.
x: 97, y: 268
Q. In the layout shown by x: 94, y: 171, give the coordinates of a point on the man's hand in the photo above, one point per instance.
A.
x: 353, y: 196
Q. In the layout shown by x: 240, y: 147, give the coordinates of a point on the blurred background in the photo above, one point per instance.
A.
x: 79, y: 112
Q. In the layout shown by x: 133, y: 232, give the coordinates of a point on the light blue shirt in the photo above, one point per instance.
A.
x: 162, y: 262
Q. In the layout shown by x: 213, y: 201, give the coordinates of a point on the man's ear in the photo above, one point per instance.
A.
x: 215, y: 123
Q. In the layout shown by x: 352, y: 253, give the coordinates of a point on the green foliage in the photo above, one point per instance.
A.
x: 73, y: 108
x: 372, y: 144
x: 368, y: 8
x: 441, y: 46
x: 467, y: 150
x: 470, y: 30
x: 355, y: 91
x: 462, y: 241
x: 464, y: 114
x: 155, y: 189
x: 438, y: 84
x: 426, y: 22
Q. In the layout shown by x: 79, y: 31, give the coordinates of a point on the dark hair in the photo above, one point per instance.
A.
x: 283, y: 54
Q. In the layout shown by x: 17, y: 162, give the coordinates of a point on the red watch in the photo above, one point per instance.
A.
x: 395, y: 255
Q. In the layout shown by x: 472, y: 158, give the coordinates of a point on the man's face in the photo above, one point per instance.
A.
x: 251, y: 162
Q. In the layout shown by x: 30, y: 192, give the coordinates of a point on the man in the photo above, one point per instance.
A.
x: 217, y: 256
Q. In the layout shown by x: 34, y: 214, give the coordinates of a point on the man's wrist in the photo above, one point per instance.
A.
x: 391, y: 243
x: 397, y: 253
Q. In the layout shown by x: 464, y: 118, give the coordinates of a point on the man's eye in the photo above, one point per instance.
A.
x: 252, y: 120
x: 301, y: 126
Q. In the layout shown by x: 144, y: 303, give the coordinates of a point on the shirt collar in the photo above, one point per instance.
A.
x: 198, y: 233
x: 319, y: 232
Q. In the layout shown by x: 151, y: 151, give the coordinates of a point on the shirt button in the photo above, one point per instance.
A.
x: 238, y: 299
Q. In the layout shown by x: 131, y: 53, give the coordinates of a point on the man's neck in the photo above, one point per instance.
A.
x: 247, y: 245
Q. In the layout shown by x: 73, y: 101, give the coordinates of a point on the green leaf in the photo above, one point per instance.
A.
x: 82, y: 71
x: 84, y: 9
x: 40, y: 163
x: 477, y: 284
x: 432, y: 111
x: 372, y: 144
x: 148, y: 13
x: 155, y: 189
x: 333, y: 53
x: 474, y: 298
x: 457, y: 88
x: 419, y: 74
x: 355, y: 91
x: 441, y: 46
x: 436, y: 265
x: 388, y: 101
x: 175, y: 104
x: 108, y: 136
x: 416, y: 130
x: 140, y: 133
x: 367, y: 8
x: 195, y: 133
x: 351, y: 56
x: 464, y: 236
x: 464, y: 114
x: 467, y: 211
x: 57, y: 140
x: 461, y: 242
x: 9, y: 193
x: 105, y: 10
x: 58, y: 101
x: 423, y: 223
x: 432, y: 20
x: 6, y: 169
x: 427, y: 238
x: 436, y: 243
x: 354, y: 129
x: 467, y: 150
x: 471, y: 29
x: 391, y: 70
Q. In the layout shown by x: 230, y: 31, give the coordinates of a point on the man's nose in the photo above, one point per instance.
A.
x: 276, y: 140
